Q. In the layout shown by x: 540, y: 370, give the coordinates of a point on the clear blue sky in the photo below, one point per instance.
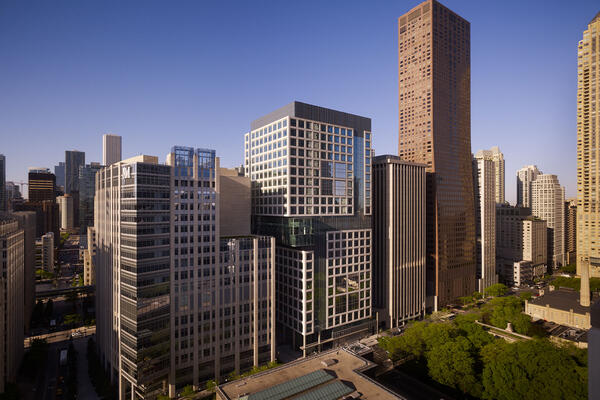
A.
x: 196, y: 73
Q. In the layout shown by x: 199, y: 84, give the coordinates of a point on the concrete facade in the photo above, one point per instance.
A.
x: 435, y: 130
x: 12, y: 262
x: 111, y: 149
x: 67, y: 212
x: 560, y: 306
x: 235, y: 218
x: 398, y: 240
x: 484, y: 186
x: 44, y: 252
x: 27, y: 222
x: 89, y: 254
x: 495, y: 155
x: 547, y: 203
x: 525, y: 178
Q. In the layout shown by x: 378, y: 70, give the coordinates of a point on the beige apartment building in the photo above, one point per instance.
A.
x: 12, y: 304
x: 44, y: 252
x: 547, y: 203
x: 525, y: 178
x: 588, y: 148
x: 435, y: 130
x: 495, y: 155
x: 398, y: 240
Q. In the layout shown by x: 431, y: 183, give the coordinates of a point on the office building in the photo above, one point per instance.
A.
x: 495, y: 155
x: 87, y: 189
x: 571, y: 231
x: 12, y: 261
x: 44, y: 252
x: 484, y: 187
x: 3, y: 201
x: 521, y: 245
x: 111, y: 149
x: 42, y: 184
x: 398, y: 240
x: 525, y: 178
x: 196, y: 306
x: 27, y: 222
x: 47, y: 216
x: 435, y: 130
x: 13, y: 195
x: 67, y: 213
x: 311, y: 189
x: 89, y: 270
x: 59, y: 172
x: 73, y: 160
x: 547, y: 203
x: 588, y: 147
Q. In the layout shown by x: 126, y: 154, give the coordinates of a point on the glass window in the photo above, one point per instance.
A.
x: 340, y: 170
x: 340, y: 188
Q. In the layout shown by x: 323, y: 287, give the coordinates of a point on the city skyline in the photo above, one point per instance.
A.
x: 194, y: 112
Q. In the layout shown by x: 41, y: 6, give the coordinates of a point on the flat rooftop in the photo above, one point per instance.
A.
x: 562, y: 299
x: 334, y: 374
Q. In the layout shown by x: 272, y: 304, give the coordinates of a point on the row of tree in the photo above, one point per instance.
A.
x: 463, y: 356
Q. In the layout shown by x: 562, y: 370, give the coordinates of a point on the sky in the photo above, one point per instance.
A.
x: 196, y: 73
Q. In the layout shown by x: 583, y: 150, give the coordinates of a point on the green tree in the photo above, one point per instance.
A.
x: 453, y: 364
x: 477, y: 295
x: 496, y: 290
x: 525, y: 296
x: 211, y: 385
x: 188, y: 391
x: 465, y: 300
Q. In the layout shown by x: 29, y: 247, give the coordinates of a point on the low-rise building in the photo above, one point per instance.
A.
x: 333, y: 374
x: 44, y: 252
x: 89, y: 276
x: 561, y: 306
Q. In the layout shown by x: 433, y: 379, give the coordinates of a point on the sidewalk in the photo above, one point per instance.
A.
x: 85, y: 389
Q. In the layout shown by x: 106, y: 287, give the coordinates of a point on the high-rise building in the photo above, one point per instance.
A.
x: 399, y: 240
x: 59, y: 171
x: 495, y: 155
x: 525, y: 178
x: 181, y: 304
x: 547, y: 203
x: 47, y: 216
x: 521, y: 245
x: 66, y: 209
x: 42, y: 184
x: 87, y: 189
x: 73, y: 160
x: 588, y: 147
x: 311, y: 189
x: 571, y: 231
x: 435, y: 130
x: 3, y: 200
x: 236, y: 198
x: 111, y: 149
x: 484, y: 186
x: 44, y: 252
x: 12, y: 261
x: 27, y: 222
x: 89, y: 269
x: 13, y: 195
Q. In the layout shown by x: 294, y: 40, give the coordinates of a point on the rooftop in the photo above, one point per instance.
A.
x: 329, y: 375
x: 562, y: 299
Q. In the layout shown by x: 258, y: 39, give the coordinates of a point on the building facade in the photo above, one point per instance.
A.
x: 588, y: 146
x: 571, y: 231
x: 44, y: 252
x: 311, y: 189
x: 42, y: 184
x: 435, y: 130
x: 12, y: 261
x: 111, y: 149
x: 59, y: 172
x: 27, y: 222
x: 87, y: 190
x: 399, y: 240
x: 547, y: 203
x: 89, y: 271
x: 484, y: 187
x: 525, y: 178
x: 67, y: 212
x: 3, y: 200
x: 495, y: 155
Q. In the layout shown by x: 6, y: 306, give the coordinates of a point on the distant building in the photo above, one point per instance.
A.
x: 42, y: 184
x: 13, y: 195
x: 59, y: 171
x: 66, y: 209
x: 571, y: 231
x: 12, y: 303
x: 87, y: 189
x: 45, y: 252
x: 484, y: 187
x: 73, y: 160
x: 111, y: 149
x: 520, y: 239
x: 399, y: 240
x: 561, y: 306
x: 236, y: 203
x: 3, y: 200
x: 47, y: 216
x: 525, y: 178
x: 495, y: 155
x: 334, y: 374
x: 547, y: 203
x: 89, y: 273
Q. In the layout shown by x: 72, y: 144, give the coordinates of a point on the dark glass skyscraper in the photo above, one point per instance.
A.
x: 3, y: 200
x: 435, y: 130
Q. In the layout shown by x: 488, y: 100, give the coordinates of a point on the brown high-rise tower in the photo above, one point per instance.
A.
x: 435, y: 129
